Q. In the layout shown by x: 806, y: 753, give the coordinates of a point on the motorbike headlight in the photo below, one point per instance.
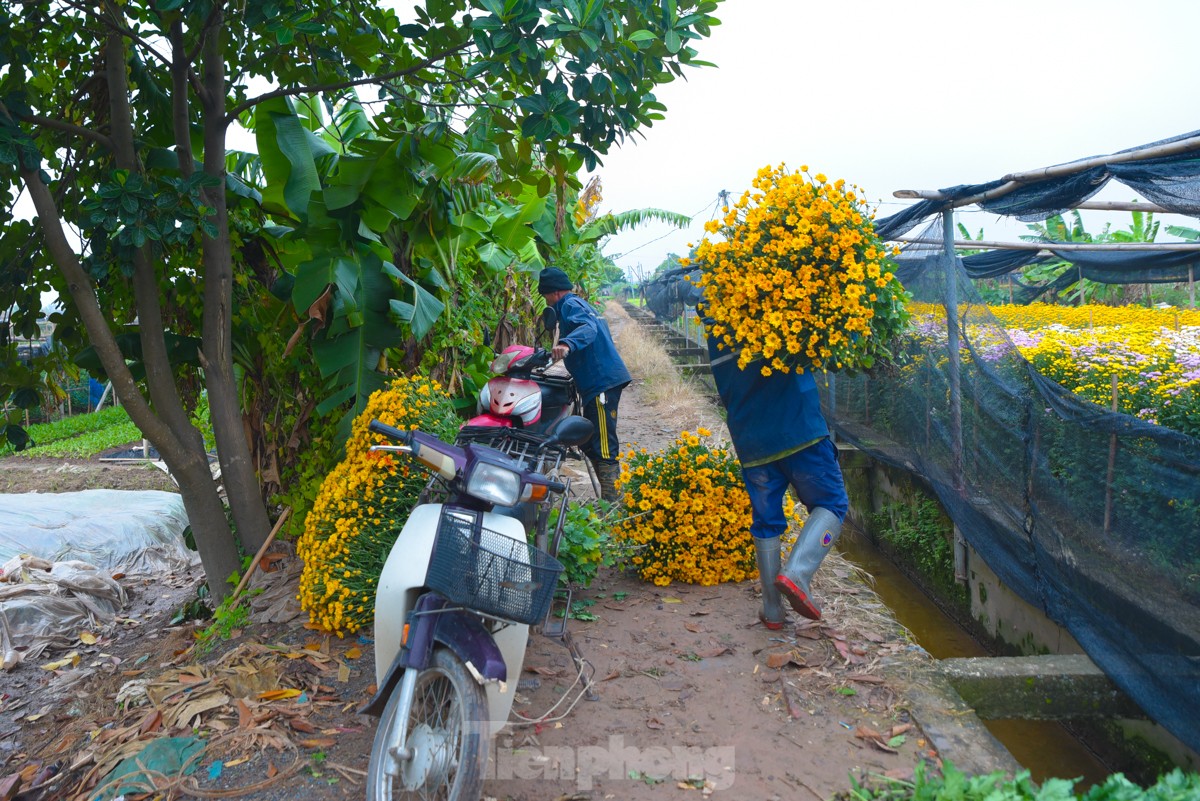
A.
x: 495, y: 484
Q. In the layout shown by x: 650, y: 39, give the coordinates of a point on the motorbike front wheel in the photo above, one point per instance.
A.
x: 444, y: 753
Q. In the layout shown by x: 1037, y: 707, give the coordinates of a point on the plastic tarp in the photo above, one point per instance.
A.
x: 122, y: 531
x: 60, y: 553
x: 44, y: 604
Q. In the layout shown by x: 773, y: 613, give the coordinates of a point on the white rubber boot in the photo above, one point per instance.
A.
x: 766, y: 550
x: 820, y: 532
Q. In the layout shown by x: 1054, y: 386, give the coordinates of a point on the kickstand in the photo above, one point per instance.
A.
x: 592, y: 475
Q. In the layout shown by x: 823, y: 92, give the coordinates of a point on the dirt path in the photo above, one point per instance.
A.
x: 689, y: 696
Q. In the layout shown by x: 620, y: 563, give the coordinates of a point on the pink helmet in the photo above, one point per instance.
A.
x: 512, y: 397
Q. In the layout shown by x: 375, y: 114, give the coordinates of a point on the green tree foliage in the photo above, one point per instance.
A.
x: 1142, y: 228
x: 183, y: 263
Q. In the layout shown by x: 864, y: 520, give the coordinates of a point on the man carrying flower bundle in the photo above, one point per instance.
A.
x: 781, y: 439
x: 587, y: 347
x: 798, y: 281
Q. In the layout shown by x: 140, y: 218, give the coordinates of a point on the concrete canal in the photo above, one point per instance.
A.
x: 1045, y: 748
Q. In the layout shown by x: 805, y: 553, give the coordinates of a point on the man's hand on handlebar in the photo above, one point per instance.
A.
x: 559, y: 351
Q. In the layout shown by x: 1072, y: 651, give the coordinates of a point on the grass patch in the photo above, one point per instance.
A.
x: 674, y: 396
x: 81, y: 436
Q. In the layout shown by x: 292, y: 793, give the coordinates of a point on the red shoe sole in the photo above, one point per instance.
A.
x: 771, y: 625
x: 797, y: 598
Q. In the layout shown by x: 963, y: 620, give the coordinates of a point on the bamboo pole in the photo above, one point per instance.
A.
x: 952, y: 333
x: 258, y: 556
x: 1112, y: 465
x: 1192, y: 285
x: 1092, y: 205
x: 986, y: 244
x: 1016, y: 180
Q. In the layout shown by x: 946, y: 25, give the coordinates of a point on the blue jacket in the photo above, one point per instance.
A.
x: 593, y: 359
x: 768, y: 417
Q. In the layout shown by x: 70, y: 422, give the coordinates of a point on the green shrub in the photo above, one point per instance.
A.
x: 953, y: 785
x: 586, y: 541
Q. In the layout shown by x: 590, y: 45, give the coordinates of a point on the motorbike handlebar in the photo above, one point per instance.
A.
x: 390, y: 431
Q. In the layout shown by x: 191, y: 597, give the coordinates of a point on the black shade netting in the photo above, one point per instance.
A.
x: 667, y: 295
x: 1089, y: 515
x: 1171, y: 181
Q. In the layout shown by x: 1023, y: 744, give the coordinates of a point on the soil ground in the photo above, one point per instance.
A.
x: 684, y: 693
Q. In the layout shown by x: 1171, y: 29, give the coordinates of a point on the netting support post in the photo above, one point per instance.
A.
x: 1112, y: 462
x: 952, y: 336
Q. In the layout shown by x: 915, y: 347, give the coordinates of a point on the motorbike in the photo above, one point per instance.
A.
x: 458, y: 594
x: 527, y: 393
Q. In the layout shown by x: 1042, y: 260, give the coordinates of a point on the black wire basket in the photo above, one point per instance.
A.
x: 486, y: 571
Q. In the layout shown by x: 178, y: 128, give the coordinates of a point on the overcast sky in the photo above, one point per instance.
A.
x: 907, y: 95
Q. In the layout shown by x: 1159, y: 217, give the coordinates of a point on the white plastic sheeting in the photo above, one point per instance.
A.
x: 44, y: 604
x: 121, y: 531
x: 59, y: 553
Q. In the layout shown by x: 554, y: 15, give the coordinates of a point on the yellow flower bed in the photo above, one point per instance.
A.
x: 1153, y: 354
x: 800, y: 278
x: 688, y: 513
x: 362, y: 506
x: 1040, y: 315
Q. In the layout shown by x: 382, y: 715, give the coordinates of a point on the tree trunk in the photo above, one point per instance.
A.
x: 185, y: 460
x: 237, y: 468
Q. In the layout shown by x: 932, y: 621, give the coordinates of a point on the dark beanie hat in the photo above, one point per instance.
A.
x: 553, y: 279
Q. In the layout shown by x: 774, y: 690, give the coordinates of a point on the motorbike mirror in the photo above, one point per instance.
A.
x: 571, y: 431
x: 549, y: 319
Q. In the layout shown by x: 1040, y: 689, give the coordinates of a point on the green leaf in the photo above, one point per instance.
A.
x: 422, y: 312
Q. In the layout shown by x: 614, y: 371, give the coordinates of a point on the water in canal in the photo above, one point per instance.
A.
x: 1045, y: 748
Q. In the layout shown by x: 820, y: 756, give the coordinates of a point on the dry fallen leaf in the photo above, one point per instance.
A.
x: 245, y: 716
x: 695, y: 628
x: 353, y: 653
x: 654, y: 723
x: 278, y: 695
x: 317, y: 742
x: 778, y: 660
x: 87, y: 638
x: 72, y: 659
x: 151, y: 722
x: 714, y: 652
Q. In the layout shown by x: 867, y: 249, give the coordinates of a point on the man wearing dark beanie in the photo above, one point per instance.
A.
x: 586, y: 346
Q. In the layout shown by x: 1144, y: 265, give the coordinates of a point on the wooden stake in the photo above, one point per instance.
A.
x: 262, y: 550
x: 1112, y: 465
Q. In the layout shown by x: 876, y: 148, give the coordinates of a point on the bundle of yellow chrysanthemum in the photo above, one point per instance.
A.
x: 688, y: 514
x: 362, y: 506
x: 800, y: 278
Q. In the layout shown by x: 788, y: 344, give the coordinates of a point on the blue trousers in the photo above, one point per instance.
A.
x: 814, y: 475
x: 603, y: 447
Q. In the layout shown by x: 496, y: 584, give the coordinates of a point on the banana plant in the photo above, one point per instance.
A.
x: 373, y: 231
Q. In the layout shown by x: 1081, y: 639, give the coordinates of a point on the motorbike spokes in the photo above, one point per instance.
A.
x: 444, y: 752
